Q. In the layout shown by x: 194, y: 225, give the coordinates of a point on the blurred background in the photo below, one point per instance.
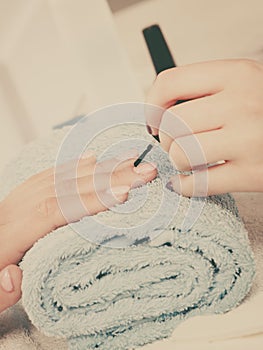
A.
x: 63, y: 58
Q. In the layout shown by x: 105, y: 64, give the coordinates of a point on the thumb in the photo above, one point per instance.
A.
x: 10, y: 286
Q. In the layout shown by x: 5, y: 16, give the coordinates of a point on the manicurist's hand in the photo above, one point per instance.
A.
x: 221, y: 121
x: 34, y: 208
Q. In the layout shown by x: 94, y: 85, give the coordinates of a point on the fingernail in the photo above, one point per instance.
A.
x: 132, y: 153
x: 113, y: 195
x: 149, y: 129
x: 6, y: 281
x: 174, y: 185
x: 169, y: 186
x: 118, y: 190
x: 145, y: 168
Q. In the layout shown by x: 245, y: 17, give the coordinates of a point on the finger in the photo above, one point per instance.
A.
x: 66, y: 174
x: 118, y: 173
x: 52, y: 213
x: 74, y: 207
x: 95, y: 178
x: 10, y: 286
x: 193, y: 151
x: 125, y: 174
x: 85, y: 166
x: 184, y: 83
x: 119, y: 161
x: 111, y: 165
x: 215, y: 180
x: 87, y: 160
x: 105, y: 166
x: 47, y: 177
x: 195, y: 116
x: 105, y: 199
x: 134, y: 176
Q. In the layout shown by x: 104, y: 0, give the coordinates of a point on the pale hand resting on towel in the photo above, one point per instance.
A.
x: 32, y: 210
x: 224, y: 114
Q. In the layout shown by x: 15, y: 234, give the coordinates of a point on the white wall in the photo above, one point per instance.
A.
x: 58, y: 58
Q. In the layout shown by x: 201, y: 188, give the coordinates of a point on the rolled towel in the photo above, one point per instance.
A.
x: 122, y: 298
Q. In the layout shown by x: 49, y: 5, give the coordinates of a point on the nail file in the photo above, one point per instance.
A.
x: 161, y: 56
x: 143, y: 155
x: 162, y: 59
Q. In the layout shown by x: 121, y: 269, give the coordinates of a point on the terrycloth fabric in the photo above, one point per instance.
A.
x: 240, y: 328
x: 102, y: 298
x: 118, y: 299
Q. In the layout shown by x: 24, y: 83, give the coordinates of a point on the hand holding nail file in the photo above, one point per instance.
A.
x: 217, y: 133
x: 162, y: 60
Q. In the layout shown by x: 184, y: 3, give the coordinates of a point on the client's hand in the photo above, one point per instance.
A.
x: 33, y: 209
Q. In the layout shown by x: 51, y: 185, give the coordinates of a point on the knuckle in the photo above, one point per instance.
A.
x: 65, y: 187
x: 163, y: 76
x: 169, y: 114
x: 248, y: 66
x: 47, y: 208
x: 68, y: 186
x: 173, y: 123
x: 161, y: 81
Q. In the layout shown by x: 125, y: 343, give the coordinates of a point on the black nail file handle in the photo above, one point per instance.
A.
x: 162, y: 59
x: 160, y: 54
x: 159, y: 51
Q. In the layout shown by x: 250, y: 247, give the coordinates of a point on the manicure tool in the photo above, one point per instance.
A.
x: 162, y: 59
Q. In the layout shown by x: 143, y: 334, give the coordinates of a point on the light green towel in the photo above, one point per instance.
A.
x: 104, y: 298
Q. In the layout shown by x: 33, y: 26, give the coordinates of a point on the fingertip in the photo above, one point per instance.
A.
x: 119, y: 194
x: 10, y: 286
x: 119, y: 190
x: 144, y: 173
x: 174, y: 184
x: 153, y: 115
x: 181, y: 184
x: 145, y: 168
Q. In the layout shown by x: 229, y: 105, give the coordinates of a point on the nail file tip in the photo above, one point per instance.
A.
x: 142, y: 156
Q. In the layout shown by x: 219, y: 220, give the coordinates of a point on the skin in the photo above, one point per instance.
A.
x: 223, y: 117
x: 32, y: 209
